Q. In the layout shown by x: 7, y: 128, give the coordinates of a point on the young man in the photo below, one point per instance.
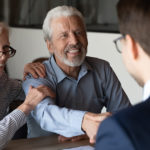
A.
x: 129, y: 129
x: 83, y: 85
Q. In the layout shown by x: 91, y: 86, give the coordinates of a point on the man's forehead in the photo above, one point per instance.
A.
x: 65, y: 19
x: 62, y: 23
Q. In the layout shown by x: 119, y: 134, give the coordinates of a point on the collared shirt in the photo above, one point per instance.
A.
x: 9, y: 125
x: 146, y: 91
x: 96, y: 87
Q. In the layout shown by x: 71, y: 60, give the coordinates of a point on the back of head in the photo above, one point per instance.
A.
x: 134, y: 19
x: 60, y: 11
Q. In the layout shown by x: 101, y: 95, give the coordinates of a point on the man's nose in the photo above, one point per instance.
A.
x: 73, y: 39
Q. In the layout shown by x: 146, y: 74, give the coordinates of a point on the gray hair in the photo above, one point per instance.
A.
x: 3, y: 28
x: 59, y: 12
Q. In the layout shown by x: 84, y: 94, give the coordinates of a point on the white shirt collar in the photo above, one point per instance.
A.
x: 146, y: 92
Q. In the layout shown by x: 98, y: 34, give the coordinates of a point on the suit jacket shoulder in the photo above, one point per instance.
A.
x: 131, y: 124
x: 136, y: 122
x: 111, y: 136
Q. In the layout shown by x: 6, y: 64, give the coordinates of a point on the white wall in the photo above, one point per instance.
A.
x: 30, y: 45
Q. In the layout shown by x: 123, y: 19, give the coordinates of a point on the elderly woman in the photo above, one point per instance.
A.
x: 11, y: 89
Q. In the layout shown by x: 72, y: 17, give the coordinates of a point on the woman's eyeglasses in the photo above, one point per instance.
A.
x: 7, y: 51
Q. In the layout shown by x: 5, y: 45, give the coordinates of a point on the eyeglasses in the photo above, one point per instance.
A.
x: 118, y: 43
x: 7, y: 51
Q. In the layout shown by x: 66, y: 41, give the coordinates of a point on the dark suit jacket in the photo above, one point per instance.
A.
x: 128, y: 129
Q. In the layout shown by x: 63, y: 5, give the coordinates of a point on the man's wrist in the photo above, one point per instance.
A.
x: 25, y: 108
x: 83, y: 127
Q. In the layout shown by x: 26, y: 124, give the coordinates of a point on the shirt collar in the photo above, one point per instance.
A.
x: 60, y: 75
x: 146, y: 90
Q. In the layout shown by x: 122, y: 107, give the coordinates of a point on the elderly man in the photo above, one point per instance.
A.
x: 129, y: 129
x: 83, y: 85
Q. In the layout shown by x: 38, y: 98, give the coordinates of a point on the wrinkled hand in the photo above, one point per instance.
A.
x: 35, y: 95
x: 73, y: 139
x: 36, y: 69
x: 91, y: 122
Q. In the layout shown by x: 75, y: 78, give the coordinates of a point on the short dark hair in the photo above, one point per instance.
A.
x: 134, y: 19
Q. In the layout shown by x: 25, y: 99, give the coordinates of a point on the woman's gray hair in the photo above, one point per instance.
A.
x: 59, y: 11
x: 3, y: 28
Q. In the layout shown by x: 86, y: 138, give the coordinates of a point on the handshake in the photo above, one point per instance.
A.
x: 90, y: 125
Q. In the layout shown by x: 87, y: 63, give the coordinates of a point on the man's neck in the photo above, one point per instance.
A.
x: 144, y: 74
x: 143, y: 67
x: 71, y: 71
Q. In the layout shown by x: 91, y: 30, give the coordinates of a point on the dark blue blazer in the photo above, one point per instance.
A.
x: 129, y: 129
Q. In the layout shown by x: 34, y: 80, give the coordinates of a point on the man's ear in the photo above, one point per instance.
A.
x: 49, y: 46
x: 133, y: 46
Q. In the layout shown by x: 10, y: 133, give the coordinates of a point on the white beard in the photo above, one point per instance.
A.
x: 76, y: 62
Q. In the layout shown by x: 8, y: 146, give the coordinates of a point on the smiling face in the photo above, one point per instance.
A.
x: 3, y: 41
x: 69, y: 41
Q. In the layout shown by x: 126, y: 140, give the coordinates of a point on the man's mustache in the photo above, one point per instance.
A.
x: 77, y: 46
